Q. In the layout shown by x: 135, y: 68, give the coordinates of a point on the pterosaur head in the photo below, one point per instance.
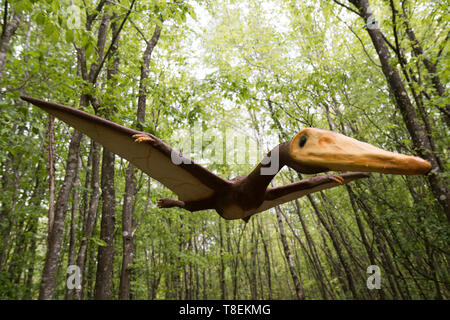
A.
x: 315, y: 150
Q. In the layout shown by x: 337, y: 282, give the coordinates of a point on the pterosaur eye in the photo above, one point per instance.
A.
x: 302, y: 141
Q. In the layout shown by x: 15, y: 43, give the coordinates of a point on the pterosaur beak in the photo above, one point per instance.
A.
x: 333, y: 151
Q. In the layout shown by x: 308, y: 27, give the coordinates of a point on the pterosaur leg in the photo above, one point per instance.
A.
x: 192, y: 206
x: 170, y: 203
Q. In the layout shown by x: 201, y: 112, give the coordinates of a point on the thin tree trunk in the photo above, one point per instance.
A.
x: 127, y: 239
x: 51, y: 171
x: 128, y: 223
x: 316, y: 267
x: 253, y: 263
x: 197, y: 276
x: 90, y: 216
x: 267, y: 257
x: 345, y: 242
x: 73, y: 226
x: 298, y: 290
x: 106, y: 252
x: 205, y: 283
x: 362, y: 232
x: 236, y: 264
x: 57, y: 228
x: 336, y: 246
x: 9, y: 28
x: 223, y: 289
x: 431, y: 67
x: 28, y: 295
x: 88, y: 292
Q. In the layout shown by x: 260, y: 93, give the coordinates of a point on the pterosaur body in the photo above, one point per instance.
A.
x: 310, y: 151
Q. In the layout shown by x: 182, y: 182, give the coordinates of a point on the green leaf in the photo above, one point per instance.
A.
x: 55, y: 6
x: 69, y: 35
x: 48, y: 28
x: 99, y: 242
x: 40, y: 18
x: 22, y: 6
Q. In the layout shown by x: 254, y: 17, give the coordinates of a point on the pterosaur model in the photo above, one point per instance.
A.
x: 310, y: 151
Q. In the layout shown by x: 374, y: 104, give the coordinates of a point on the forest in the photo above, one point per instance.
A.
x: 224, y: 82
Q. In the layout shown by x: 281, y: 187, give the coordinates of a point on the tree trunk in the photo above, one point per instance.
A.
x: 28, y: 294
x: 298, y: 290
x: 128, y: 224
x: 127, y: 237
x: 319, y: 275
x: 267, y: 262
x: 336, y: 246
x: 55, y: 236
x: 223, y: 289
x: 106, y: 252
x: 51, y: 172
x: 205, y: 283
x: 73, y: 226
x: 431, y: 67
x: 90, y: 216
x: 9, y: 28
x: 253, y: 262
x: 419, y: 137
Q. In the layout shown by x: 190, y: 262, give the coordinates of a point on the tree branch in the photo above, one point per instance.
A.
x: 359, y: 39
x: 347, y: 7
x: 441, y: 49
x: 5, y: 18
x: 139, y: 31
x: 91, y: 17
x: 113, y: 43
x: 394, y: 26
x: 389, y: 44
